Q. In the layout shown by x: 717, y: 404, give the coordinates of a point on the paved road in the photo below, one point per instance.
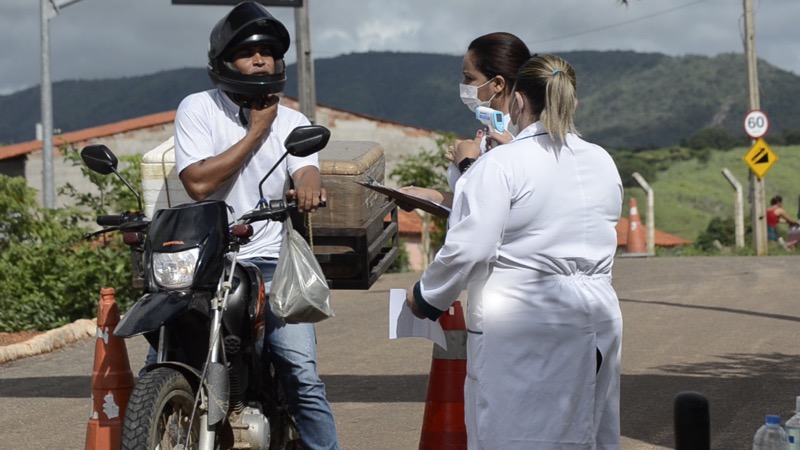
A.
x: 725, y: 327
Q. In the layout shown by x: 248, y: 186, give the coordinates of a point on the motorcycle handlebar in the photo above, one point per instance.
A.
x: 110, y: 221
x: 127, y: 221
x: 276, y: 210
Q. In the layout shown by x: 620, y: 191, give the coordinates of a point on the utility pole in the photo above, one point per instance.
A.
x: 306, y: 91
x: 46, y: 105
x: 758, y: 203
x: 49, y: 9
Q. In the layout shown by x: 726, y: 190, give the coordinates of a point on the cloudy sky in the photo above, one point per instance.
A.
x: 116, y: 38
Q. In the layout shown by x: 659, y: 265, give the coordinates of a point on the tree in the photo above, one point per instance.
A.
x: 628, y: 163
x: 713, y: 138
x: 427, y: 169
x: 791, y: 137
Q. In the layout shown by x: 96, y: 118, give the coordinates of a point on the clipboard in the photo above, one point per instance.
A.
x: 428, y: 206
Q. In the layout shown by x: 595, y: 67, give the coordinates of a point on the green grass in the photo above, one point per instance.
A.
x: 690, y: 193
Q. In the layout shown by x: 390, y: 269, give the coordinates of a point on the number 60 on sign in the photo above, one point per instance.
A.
x: 756, y: 124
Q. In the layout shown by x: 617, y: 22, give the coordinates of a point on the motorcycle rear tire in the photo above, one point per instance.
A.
x: 160, y: 404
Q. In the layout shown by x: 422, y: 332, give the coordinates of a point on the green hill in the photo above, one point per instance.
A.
x: 628, y: 100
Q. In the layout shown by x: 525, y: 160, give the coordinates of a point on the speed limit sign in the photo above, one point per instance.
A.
x: 756, y: 124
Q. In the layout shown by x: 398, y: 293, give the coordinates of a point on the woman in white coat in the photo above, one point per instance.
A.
x: 532, y: 237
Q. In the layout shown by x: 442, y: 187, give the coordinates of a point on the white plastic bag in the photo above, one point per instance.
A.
x: 299, y: 292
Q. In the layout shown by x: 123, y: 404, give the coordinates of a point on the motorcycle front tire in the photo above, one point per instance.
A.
x: 159, y: 411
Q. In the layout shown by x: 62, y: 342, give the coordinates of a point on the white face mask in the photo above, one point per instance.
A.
x: 469, y: 95
x: 512, y: 127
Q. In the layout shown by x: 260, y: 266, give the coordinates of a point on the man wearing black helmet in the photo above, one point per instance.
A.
x: 226, y: 139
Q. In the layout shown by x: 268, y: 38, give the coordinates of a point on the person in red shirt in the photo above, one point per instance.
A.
x: 774, y: 215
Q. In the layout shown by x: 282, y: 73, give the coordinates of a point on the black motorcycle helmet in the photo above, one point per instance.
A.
x: 247, y: 23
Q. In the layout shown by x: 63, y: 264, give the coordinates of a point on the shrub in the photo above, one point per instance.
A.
x: 51, y: 275
x: 722, y: 229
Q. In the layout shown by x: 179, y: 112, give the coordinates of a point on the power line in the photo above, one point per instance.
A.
x: 619, y: 24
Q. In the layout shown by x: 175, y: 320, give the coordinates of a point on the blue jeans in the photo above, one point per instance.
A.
x: 772, y: 233
x: 294, y: 353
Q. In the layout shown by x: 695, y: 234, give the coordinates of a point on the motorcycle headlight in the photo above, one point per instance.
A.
x: 175, y: 270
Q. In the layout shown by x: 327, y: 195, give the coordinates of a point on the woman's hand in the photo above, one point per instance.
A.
x: 412, y: 304
x: 494, y: 139
x: 450, y: 154
x: 470, y: 148
x: 424, y: 193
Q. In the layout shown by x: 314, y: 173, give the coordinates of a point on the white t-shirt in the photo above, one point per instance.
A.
x: 207, y: 124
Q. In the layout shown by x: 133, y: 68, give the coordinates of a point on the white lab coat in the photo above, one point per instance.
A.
x: 532, y: 235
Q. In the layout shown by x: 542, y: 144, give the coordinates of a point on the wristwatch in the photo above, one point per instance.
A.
x: 465, y: 163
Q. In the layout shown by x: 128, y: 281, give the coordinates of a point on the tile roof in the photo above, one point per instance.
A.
x: 23, y: 148
x: 663, y: 239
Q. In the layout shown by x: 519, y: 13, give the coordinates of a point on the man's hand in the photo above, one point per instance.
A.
x: 308, y: 191
x: 263, y: 112
x: 308, y: 198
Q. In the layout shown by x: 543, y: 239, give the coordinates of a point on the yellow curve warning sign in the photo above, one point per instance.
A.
x: 760, y: 158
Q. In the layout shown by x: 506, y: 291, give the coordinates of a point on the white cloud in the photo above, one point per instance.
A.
x: 114, y: 38
x: 386, y: 35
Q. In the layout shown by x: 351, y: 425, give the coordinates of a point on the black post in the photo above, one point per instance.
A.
x: 692, y: 422
x: 798, y: 207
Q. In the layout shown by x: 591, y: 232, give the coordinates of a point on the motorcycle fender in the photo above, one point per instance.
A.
x: 217, y: 386
x: 192, y: 375
x: 152, y: 311
x: 219, y: 392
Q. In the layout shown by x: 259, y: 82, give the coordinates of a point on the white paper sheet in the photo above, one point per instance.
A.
x: 403, y: 323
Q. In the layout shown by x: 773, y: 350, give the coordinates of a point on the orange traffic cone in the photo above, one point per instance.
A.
x: 443, y: 426
x: 112, y: 380
x: 637, y: 235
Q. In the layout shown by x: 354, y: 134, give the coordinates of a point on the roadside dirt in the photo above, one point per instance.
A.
x: 20, y: 336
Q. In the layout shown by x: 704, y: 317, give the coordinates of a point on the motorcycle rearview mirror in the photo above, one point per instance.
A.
x: 102, y: 160
x: 302, y: 141
x: 307, y: 140
x: 99, y: 158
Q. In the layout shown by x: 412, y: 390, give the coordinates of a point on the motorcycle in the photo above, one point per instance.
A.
x: 203, y: 310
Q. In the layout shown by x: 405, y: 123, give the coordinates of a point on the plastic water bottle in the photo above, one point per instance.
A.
x: 792, y: 427
x: 771, y: 436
